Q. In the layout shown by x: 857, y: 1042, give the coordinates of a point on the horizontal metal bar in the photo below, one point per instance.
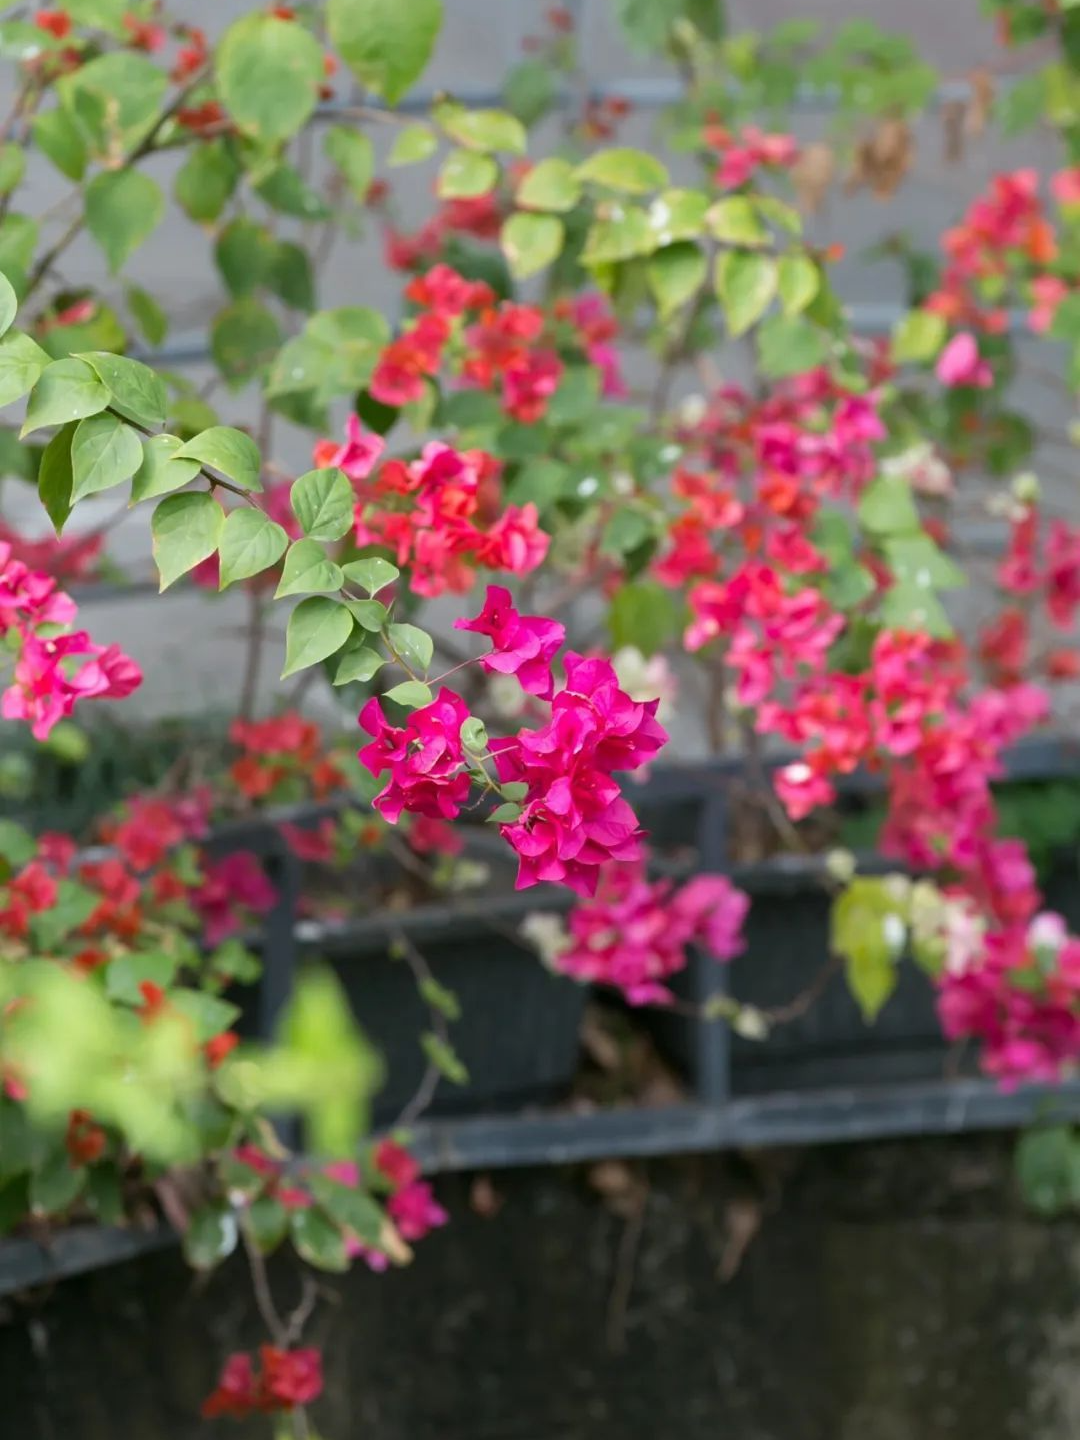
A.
x: 504, y: 1142
x: 25, y: 1262
x: 643, y: 92
x: 796, y: 1118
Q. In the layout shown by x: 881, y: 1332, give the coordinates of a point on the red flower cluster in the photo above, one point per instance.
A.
x: 282, y: 758
x: 285, y: 1379
x: 742, y: 155
x: 438, y: 515
x: 499, y: 349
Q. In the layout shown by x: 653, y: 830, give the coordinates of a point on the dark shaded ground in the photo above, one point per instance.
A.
x: 893, y: 1292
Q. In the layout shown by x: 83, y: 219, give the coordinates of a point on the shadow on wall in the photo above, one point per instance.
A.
x: 891, y: 1293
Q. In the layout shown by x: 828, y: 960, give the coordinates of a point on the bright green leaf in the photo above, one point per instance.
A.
x: 918, y: 337
x: 250, y: 543
x: 790, y: 345
x: 323, y: 501
x: 229, y: 451
x: 160, y: 472
x: 486, y: 130
x: 318, y: 628
x: 372, y: 574
x: 412, y: 143
x: 269, y: 72
x: 66, y: 390
x: 54, y: 476
x: 550, y: 185
x: 633, y: 171
x: 745, y: 285
x: 799, y: 282
x: 675, y: 274
x: 185, y: 529
x: 308, y: 571
x: 136, y: 392
x: 734, y: 220
x: 530, y: 242
x: 358, y: 664
x: 21, y: 362
x: 414, y: 646
x: 465, y: 174
x: 386, y: 43
x: 411, y: 693
x: 352, y: 154
x: 206, y: 181
x: 104, y: 452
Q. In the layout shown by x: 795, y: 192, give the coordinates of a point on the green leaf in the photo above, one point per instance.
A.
x: 229, y: 451
x: 12, y: 167
x: 410, y: 693
x: 647, y: 23
x: 413, y: 143
x: 550, y: 185
x: 372, y: 574
x: 147, y: 314
x: 444, y: 1057
x: 73, y: 906
x: 185, y: 529
x: 244, y: 254
x: 745, y: 285
x: 530, y: 242
x: 911, y: 605
x: 918, y: 337
x: 485, y: 130
x: 634, y: 171
x: 57, y: 136
x: 21, y: 362
x: 318, y: 1240
x: 104, y: 452
x: 135, y: 390
x: 308, y: 571
x: 17, y: 846
x: 790, y: 345
x: 66, y: 390
x: 18, y: 245
x: 868, y: 930
x: 385, y: 43
x: 675, y: 274
x: 353, y: 155
x: 323, y: 502
x: 244, y: 338
x: 211, y: 1236
x: 474, y: 735
x: 1048, y: 1169
x: 268, y: 74
x: 678, y: 215
x: 505, y: 814
x: 887, y: 507
x: 619, y: 236
x: 358, y: 664
x: 799, y: 282
x: 642, y: 614
x: 530, y: 91
x: 209, y: 1015
x: 123, y: 208
x: 114, y: 100
x: 414, y: 646
x: 465, y: 174
x: 286, y: 190
x: 318, y: 628
x: 9, y: 304
x: 56, y: 1185
x: 206, y: 181
x: 734, y: 220
x: 267, y: 1221
x: 104, y: 1194
x: 368, y: 613
x: 916, y: 558
x: 250, y: 543
x: 160, y: 472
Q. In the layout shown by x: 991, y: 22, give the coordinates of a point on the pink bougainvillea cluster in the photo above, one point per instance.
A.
x: 54, y: 666
x: 634, y: 933
x: 572, y: 817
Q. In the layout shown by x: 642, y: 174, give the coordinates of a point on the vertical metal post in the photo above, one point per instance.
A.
x: 712, y: 1038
